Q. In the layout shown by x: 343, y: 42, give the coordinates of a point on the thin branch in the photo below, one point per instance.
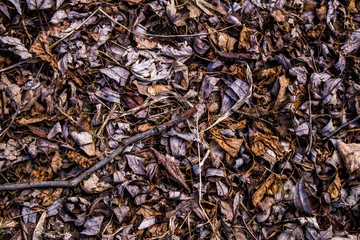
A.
x: 106, y: 120
x: 126, y: 142
x: 341, y: 127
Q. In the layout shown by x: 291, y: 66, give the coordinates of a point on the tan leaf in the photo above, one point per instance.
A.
x: 7, y: 223
x: 172, y: 168
x: 350, y: 154
x: 281, y: 98
x: 56, y: 162
x: 93, y: 185
x: 158, y: 89
x: 335, y: 187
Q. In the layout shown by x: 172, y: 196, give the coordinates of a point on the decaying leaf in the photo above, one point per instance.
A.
x: 39, y: 229
x: 92, y: 226
x: 41, y: 174
x: 85, y: 140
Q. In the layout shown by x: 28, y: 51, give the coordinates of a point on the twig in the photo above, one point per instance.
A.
x: 11, y: 122
x: 341, y: 127
x: 310, y: 123
x: 126, y: 142
x: 13, y: 66
x: 106, y: 120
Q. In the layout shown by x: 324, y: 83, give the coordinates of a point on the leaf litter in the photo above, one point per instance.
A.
x: 271, y: 149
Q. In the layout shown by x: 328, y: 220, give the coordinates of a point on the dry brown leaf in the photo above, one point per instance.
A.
x: 225, y: 42
x: 266, y: 146
x: 145, y: 127
x: 350, y: 153
x: 259, y: 194
x: 335, y: 187
x: 230, y: 145
x: 49, y: 196
x: 7, y: 223
x: 39, y: 131
x: 41, y: 48
x: 244, y: 40
x: 172, y: 168
x: 56, y: 162
x: 24, y: 121
x: 281, y: 19
x: 281, y: 98
x: 79, y: 159
x: 41, y: 174
x: 143, y: 43
x: 158, y: 89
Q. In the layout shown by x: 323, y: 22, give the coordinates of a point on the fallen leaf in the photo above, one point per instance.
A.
x: 335, y: 187
x: 39, y: 229
x: 230, y: 145
x: 93, y: 185
x: 41, y: 49
x: 350, y: 153
x: 79, y: 159
x: 56, y: 162
x: 301, y: 199
x: 259, y: 194
x: 172, y: 168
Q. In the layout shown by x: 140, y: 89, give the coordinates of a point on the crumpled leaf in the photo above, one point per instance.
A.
x: 147, y: 222
x: 172, y: 168
x: 93, y: 185
x: 259, y: 194
x: 7, y: 223
x: 136, y: 164
x: 350, y: 153
x: 18, y: 47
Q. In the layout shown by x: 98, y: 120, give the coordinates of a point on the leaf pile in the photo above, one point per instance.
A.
x: 272, y: 152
